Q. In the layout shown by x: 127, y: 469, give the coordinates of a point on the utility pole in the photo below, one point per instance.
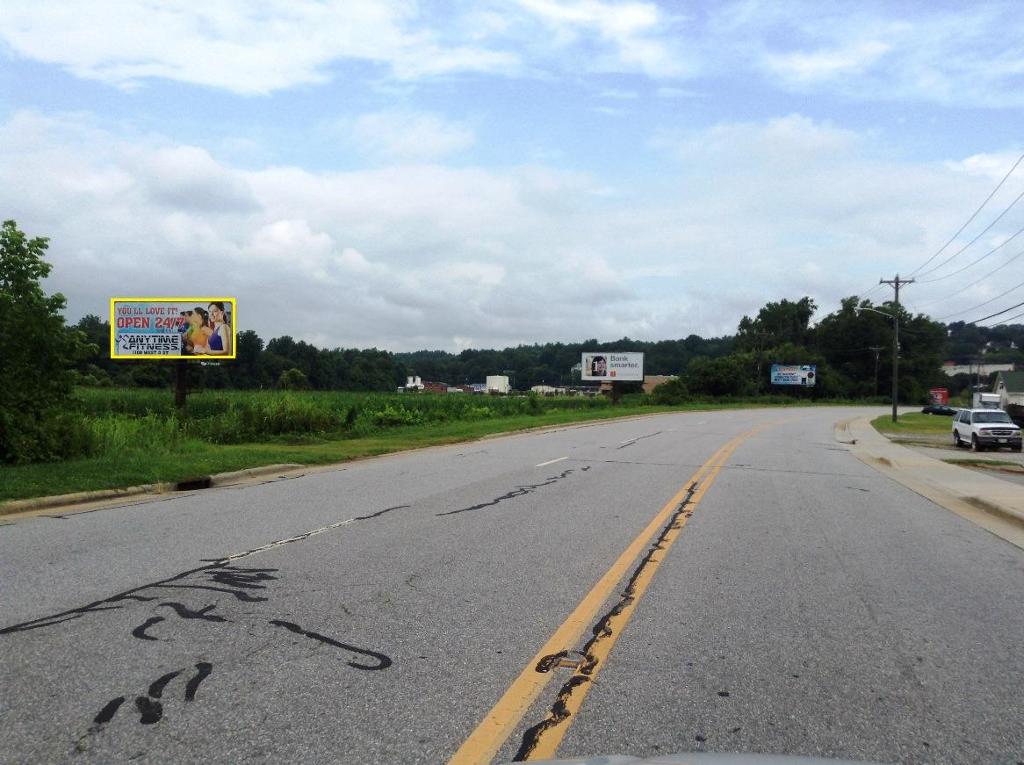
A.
x: 896, y: 283
x: 877, y: 349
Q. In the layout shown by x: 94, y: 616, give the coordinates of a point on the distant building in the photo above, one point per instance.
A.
x: 435, y: 387
x: 952, y: 369
x: 498, y: 384
x: 547, y: 390
x: 413, y: 383
x: 1010, y: 387
x: 653, y: 381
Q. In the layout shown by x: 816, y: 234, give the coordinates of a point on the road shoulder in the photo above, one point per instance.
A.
x: 992, y: 503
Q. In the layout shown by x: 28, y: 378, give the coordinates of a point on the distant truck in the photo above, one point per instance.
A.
x: 498, y: 384
x: 986, y: 401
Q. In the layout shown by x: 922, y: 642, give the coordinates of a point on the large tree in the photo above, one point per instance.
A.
x: 37, y: 356
x: 776, y: 324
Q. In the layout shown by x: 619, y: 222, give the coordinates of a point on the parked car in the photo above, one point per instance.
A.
x: 984, y: 428
x: 942, y: 409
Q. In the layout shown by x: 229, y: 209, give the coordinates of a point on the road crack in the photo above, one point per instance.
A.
x: 607, y: 626
x: 519, y: 491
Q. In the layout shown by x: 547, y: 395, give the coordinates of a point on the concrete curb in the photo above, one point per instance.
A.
x: 84, y: 497
x: 951, y: 486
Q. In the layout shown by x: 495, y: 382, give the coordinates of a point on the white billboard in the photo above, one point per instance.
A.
x: 611, y: 365
x: 794, y: 374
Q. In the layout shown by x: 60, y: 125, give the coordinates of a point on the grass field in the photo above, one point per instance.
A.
x: 914, y: 423
x: 138, y: 437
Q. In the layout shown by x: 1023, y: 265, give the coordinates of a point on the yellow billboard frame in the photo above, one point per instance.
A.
x: 193, y: 300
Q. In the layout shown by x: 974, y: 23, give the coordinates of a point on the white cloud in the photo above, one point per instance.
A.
x: 968, y: 55
x: 258, y: 48
x: 619, y: 95
x: 187, y: 177
x: 872, y: 51
x: 403, y: 136
x: 247, y: 48
x: 992, y: 165
x: 637, y: 33
x: 824, y: 65
x: 415, y: 256
x: 670, y: 92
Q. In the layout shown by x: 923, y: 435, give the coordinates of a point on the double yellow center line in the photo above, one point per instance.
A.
x: 484, y: 742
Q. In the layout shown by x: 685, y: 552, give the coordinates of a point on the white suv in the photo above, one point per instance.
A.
x: 981, y: 428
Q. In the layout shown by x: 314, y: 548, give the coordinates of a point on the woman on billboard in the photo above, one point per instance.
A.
x: 219, y: 341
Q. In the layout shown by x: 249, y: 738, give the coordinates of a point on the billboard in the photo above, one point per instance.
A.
x: 794, y: 374
x: 172, y: 328
x: 939, y: 396
x: 611, y: 365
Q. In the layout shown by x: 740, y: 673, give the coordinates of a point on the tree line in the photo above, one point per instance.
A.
x: 42, y: 359
x: 851, y: 347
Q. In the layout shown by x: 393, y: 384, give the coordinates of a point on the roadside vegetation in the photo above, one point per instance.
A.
x: 72, y: 419
x: 135, y: 436
x: 914, y: 423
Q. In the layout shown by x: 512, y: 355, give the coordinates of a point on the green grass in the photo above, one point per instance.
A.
x: 140, y: 439
x: 915, y: 422
x: 192, y: 458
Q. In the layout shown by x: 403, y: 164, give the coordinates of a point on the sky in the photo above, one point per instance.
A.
x: 451, y: 175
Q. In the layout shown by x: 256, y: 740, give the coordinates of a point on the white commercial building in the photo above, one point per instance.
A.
x: 498, y: 384
x: 984, y: 370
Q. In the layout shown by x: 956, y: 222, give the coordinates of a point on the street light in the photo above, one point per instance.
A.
x: 895, y: 353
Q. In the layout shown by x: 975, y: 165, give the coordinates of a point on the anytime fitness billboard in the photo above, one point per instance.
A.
x: 172, y: 328
x: 610, y: 365
x: 794, y: 374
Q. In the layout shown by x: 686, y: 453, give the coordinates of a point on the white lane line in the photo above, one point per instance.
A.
x: 629, y: 440
x: 552, y: 462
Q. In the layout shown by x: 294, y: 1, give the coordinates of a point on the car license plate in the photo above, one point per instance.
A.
x: 1002, y: 440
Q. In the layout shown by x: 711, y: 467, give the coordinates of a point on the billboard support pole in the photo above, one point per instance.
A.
x: 616, y: 391
x: 180, y: 384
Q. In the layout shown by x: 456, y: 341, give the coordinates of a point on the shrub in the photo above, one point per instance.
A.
x: 671, y: 392
x: 293, y: 379
x: 51, y: 437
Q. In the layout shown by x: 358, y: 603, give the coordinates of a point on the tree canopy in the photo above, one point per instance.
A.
x: 36, y: 355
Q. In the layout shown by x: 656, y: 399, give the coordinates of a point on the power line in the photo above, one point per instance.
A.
x: 1006, y: 321
x: 997, y: 313
x: 984, y: 231
x: 873, y: 289
x: 969, y: 220
x: 974, y: 307
x: 995, y: 249
x: 972, y: 284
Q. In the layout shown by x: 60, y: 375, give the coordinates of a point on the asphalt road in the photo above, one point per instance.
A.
x: 379, y: 612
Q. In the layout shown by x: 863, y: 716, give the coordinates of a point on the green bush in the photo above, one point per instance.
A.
x: 293, y: 379
x: 47, y: 438
x: 671, y: 393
